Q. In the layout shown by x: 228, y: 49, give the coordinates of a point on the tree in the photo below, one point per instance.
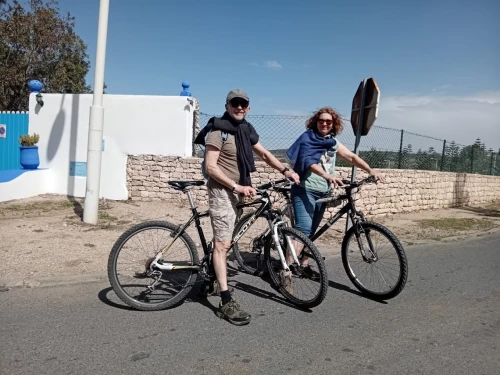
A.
x: 39, y: 43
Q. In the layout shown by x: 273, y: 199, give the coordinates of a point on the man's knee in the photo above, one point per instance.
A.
x: 222, y: 246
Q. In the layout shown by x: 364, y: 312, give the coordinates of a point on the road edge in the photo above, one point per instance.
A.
x: 51, y: 281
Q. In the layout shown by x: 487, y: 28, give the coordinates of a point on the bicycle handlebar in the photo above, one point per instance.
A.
x: 262, y: 188
x: 348, y: 185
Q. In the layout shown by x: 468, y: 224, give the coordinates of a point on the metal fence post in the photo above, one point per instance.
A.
x: 472, y: 159
x: 442, y: 155
x: 401, y: 149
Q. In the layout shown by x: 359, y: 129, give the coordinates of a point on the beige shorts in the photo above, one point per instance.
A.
x: 222, y: 209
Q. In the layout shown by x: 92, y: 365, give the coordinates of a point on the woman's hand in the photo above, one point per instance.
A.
x: 333, y: 181
x: 376, y: 175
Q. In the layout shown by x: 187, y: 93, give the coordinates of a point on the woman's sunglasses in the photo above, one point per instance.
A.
x: 327, y: 122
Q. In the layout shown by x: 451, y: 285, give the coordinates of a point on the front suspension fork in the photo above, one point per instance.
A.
x: 358, y: 230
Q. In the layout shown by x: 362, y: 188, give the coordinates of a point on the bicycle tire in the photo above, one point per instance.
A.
x: 403, y: 273
x: 239, y: 259
x: 112, y: 272
x: 319, y: 298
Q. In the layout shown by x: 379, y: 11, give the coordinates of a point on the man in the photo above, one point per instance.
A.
x: 229, y: 162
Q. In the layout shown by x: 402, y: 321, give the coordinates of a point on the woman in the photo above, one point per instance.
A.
x: 313, y: 156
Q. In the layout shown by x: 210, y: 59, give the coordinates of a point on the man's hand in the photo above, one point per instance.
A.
x: 292, y: 175
x: 246, y: 191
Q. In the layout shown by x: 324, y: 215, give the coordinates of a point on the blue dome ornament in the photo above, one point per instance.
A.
x: 185, y: 89
x: 35, y: 86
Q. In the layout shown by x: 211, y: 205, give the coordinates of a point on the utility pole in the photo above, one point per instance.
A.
x: 96, y: 122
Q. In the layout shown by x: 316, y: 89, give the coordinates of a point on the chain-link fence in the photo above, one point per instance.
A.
x: 382, y: 148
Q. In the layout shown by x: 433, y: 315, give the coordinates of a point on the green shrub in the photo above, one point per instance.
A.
x: 29, y: 140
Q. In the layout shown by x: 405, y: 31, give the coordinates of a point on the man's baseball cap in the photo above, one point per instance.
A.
x: 237, y: 93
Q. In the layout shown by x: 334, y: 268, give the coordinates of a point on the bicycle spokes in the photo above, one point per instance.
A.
x: 143, y: 269
x: 374, y: 262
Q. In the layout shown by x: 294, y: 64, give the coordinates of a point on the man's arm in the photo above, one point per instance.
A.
x: 271, y: 160
x: 213, y: 170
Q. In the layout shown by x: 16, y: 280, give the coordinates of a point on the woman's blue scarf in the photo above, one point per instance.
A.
x: 307, y: 150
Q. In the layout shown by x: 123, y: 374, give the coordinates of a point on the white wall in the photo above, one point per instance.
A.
x: 134, y: 125
x: 29, y: 184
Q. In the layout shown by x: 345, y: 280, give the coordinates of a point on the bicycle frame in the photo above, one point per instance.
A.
x: 264, y: 203
x: 349, y: 207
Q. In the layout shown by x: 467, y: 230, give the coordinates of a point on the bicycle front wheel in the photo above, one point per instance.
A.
x: 307, y: 284
x: 374, y: 260
x: 129, y: 266
x: 249, y: 250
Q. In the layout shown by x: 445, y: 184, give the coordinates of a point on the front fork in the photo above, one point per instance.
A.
x: 358, y: 230
x: 279, y: 248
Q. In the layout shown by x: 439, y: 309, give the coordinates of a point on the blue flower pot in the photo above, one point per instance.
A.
x: 29, y: 158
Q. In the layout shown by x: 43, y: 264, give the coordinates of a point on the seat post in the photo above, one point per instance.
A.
x: 190, y: 198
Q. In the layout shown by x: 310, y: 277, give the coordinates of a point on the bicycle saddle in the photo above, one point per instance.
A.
x: 181, y: 185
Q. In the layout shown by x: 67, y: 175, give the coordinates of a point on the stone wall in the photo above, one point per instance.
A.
x: 403, y: 190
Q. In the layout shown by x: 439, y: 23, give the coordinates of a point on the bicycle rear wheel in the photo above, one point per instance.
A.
x: 306, y: 286
x: 128, y: 270
x: 382, y: 273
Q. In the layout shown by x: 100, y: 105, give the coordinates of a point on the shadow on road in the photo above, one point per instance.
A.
x: 275, y: 297
x: 345, y: 288
x: 194, y: 297
x: 103, y: 297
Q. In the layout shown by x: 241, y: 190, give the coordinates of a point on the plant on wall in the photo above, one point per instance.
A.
x: 29, y: 140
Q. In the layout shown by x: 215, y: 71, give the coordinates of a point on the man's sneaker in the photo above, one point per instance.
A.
x: 209, y: 289
x: 233, y: 313
x: 286, y: 280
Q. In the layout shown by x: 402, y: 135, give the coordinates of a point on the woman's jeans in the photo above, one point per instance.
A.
x: 308, y: 214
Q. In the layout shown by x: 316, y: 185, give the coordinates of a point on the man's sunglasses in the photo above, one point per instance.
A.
x: 237, y: 102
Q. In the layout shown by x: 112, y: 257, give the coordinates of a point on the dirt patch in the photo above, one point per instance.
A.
x: 45, y: 235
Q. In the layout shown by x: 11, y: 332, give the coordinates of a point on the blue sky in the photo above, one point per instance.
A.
x: 430, y: 58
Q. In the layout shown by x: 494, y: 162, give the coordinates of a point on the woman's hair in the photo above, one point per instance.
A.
x: 311, y: 123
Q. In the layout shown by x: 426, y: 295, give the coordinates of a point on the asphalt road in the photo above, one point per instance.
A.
x: 446, y: 321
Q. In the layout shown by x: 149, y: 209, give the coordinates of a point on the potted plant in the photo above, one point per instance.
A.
x: 29, y: 151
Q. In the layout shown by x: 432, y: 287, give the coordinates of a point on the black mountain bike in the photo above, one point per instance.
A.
x: 161, y: 274
x: 378, y: 272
